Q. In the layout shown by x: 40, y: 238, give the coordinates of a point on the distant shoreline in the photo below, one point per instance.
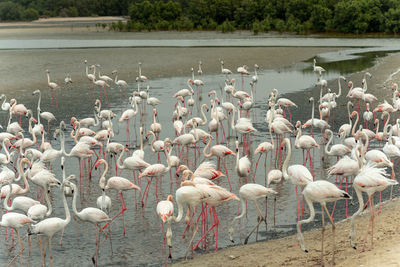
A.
x: 84, y: 22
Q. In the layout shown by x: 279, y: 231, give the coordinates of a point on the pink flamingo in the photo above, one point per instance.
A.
x: 93, y: 215
x: 156, y: 170
x: 369, y: 180
x: 165, y: 209
x: 219, y: 151
x: 127, y: 115
x: 16, y: 221
x: 305, y: 142
x: 322, y: 192
x: 50, y: 226
x: 17, y: 109
x: 251, y: 192
x: 298, y: 174
x: 264, y: 148
x: 53, y: 86
x: 120, y: 184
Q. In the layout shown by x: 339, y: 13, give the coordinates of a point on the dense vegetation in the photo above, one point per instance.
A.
x: 347, y: 16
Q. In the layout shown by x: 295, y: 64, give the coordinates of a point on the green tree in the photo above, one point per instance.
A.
x: 320, y: 17
x: 10, y: 11
x: 392, y: 21
x: 30, y: 14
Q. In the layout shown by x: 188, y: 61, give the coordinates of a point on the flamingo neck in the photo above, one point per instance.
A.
x: 340, y: 88
x: 353, y: 131
x: 49, y: 206
x: 348, y: 112
x: 360, y: 209
x: 74, y: 199
x: 141, y: 141
x: 67, y: 213
x: 119, y: 161
x: 6, y: 150
x: 38, y: 107
x: 207, y: 155
x: 152, y: 141
x: 21, y: 171
x: 203, y: 114
x: 328, y: 152
x: 5, y: 203
x: 287, y: 159
x: 310, y: 219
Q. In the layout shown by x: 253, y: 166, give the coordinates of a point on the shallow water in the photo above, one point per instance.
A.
x: 143, y: 244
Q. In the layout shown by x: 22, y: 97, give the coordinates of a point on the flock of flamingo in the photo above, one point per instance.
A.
x: 359, y: 166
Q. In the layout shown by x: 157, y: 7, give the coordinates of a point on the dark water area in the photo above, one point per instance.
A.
x: 143, y: 243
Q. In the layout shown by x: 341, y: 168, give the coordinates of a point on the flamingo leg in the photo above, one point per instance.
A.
x: 227, y: 175
x: 216, y: 223
x: 322, y: 236
x: 333, y: 235
x: 255, y: 169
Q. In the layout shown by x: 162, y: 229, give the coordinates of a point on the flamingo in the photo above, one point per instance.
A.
x: 24, y: 142
x: 217, y: 196
x: 369, y: 180
x: 155, y: 170
x: 189, y: 195
x: 337, y: 150
x: 5, y: 158
x: 318, y: 69
x: 243, y: 164
x: 104, y: 77
x: 53, y: 86
x: 165, y: 209
x: 345, y: 129
x: 243, y: 71
x: 142, y: 78
x: 102, y: 84
x: 155, y: 126
x: 263, y: 148
x: 17, y: 109
x: 16, y: 221
x: 152, y: 101
x: 251, y: 192
x: 126, y: 116
x: 219, y: 151
x: 50, y: 226
x: 4, y: 106
x: 120, y: 83
x: 225, y: 71
x: 322, y: 192
x: 120, y: 184
x: 21, y: 203
x: 298, y: 174
x: 305, y: 142
x: 206, y: 170
x: 92, y: 215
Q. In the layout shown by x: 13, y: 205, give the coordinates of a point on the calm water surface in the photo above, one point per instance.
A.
x: 143, y: 244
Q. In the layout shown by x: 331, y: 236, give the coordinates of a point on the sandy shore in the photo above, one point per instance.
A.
x: 286, y: 252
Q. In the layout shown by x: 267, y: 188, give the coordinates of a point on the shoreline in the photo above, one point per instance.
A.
x: 286, y: 252
x: 66, y: 22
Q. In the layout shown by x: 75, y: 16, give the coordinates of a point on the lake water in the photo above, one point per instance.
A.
x: 143, y: 244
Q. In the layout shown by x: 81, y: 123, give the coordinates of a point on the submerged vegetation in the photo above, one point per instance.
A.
x: 302, y: 16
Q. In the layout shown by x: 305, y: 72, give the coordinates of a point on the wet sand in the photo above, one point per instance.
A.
x: 286, y: 252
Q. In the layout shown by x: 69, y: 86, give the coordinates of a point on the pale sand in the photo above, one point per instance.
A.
x: 285, y: 252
